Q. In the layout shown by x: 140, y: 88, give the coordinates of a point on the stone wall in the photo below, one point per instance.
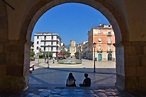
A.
x: 131, y: 66
x: 135, y: 66
x: 12, y: 67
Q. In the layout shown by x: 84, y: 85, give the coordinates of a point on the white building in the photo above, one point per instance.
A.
x: 47, y: 42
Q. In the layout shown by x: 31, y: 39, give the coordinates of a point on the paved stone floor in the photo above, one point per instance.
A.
x: 57, y: 74
x: 50, y: 82
x: 77, y: 92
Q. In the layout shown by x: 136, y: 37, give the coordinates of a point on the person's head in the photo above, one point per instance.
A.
x: 70, y: 75
x: 86, y: 75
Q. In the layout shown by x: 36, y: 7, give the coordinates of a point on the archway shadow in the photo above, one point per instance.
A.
x: 56, y: 77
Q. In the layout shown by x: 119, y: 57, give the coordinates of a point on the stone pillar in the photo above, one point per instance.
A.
x: 135, y: 66
x: 13, y: 78
x: 120, y: 68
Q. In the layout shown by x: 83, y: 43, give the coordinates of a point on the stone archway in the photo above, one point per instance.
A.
x: 105, y: 8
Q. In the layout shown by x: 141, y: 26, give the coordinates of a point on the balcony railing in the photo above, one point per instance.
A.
x: 50, y: 45
x: 109, y: 43
x: 109, y: 51
x: 99, y: 51
x: 109, y: 34
x: 46, y: 40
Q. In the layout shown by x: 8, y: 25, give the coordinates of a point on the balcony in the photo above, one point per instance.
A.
x: 99, y: 51
x: 44, y: 45
x: 109, y: 34
x: 46, y: 40
x: 109, y: 43
x: 109, y: 51
x: 52, y: 45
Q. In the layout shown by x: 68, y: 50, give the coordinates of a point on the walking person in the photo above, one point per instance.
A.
x: 45, y: 59
x: 53, y: 60
x: 86, y: 82
x: 70, y: 82
x: 48, y: 62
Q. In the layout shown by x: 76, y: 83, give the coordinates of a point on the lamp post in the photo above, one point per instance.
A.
x: 94, y: 45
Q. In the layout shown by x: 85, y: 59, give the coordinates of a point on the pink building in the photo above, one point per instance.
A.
x: 104, y: 38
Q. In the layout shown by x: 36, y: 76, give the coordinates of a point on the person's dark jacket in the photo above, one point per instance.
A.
x: 87, y: 82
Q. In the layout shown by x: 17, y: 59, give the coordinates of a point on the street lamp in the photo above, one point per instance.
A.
x: 94, y: 45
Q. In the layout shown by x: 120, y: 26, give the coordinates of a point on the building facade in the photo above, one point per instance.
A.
x: 104, y: 38
x: 85, y: 50
x: 47, y: 42
x: 72, y: 47
x: 64, y: 48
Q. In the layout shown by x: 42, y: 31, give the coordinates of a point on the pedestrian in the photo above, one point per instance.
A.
x: 86, y: 82
x: 53, y: 60
x: 45, y: 59
x: 48, y: 62
x: 70, y: 82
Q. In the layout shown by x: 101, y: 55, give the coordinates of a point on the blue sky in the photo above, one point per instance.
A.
x: 71, y: 21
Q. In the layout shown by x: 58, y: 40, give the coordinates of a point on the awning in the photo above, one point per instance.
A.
x: 59, y: 55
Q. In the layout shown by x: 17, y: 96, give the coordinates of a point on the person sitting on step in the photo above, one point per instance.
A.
x: 70, y: 82
x: 86, y: 82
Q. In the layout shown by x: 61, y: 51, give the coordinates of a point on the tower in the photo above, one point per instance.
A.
x: 72, y: 47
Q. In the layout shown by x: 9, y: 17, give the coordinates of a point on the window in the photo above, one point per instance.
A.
x: 48, y: 37
x: 109, y: 40
x: 55, y: 37
x: 54, y: 43
x: 99, y: 31
x: 37, y: 48
x: 37, y: 42
x: 109, y: 47
x: 37, y: 37
x: 99, y: 39
x: 54, y: 48
x: 99, y: 47
x: 49, y: 43
x: 109, y: 33
x: 49, y: 48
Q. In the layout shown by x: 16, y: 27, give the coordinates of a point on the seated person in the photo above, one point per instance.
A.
x: 70, y: 82
x: 86, y: 82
